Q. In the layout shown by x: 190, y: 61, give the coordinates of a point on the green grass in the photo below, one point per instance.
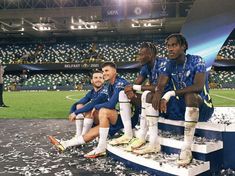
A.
x: 54, y: 104
x: 51, y: 104
x: 224, y: 98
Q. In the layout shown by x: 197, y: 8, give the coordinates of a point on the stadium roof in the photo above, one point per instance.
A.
x: 85, y: 17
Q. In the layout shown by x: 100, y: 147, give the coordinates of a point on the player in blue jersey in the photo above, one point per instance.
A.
x: 149, y: 71
x: 190, y: 99
x: 80, y: 112
x: 109, y: 120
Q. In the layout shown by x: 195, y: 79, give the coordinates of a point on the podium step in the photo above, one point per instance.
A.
x: 158, y: 164
x: 203, y: 129
x: 201, y: 145
x: 203, y: 149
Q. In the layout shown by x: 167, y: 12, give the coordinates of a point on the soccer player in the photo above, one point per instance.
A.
x: 190, y: 99
x: 149, y: 70
x: 2, y: 105
x: 80, y: 112
x: 109, y: 120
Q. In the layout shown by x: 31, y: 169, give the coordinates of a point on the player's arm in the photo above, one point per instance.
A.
x: 85, y: 99
x: 139, y: 81
x: 111, y: 103
x: 197, y: 87
x: 78, y: 105
x: 82, y: 102
x: 89, y: 106
x: 159, y: 89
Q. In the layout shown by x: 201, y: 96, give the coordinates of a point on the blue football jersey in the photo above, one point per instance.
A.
x: 182, y: 75
x: 113, y: 93
x: 91, y: 99
x: 153, y: 74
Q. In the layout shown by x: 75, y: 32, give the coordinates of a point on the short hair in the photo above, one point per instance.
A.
x: 151, y: 46
x: 180, y: 39
x: 111, y: 64
x: 95, y: 71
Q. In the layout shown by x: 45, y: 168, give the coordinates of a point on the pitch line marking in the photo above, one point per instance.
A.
x: 232, y: 99
x: 69, y: 97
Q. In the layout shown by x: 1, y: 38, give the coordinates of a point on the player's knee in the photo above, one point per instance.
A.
x: 102, y: 111
x: 192, y: 114
x: 192, y: 100
x: 144, y: 96
x: 150, y: 111
x: 123, y: 97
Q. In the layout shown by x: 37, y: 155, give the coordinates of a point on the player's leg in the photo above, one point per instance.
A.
x: 1, y: 92
x: 140, y: 140
x: 125, y: 113
x: 192, y: 102
x: 79, y: 124
x: 152, y: 122
x: 75, y: 141
x: 78, y: 139
x: 106, y: 117
x: 88, y: 122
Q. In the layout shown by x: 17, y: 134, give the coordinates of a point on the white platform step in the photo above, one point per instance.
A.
x: 200, y: 125
x: 205, y: 146
x: 160, y: 162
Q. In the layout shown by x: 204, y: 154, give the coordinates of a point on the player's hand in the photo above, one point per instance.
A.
x: 128, y: 88
x: 163, y: 106
x: 131, y: 95
x: 156, y: 100
x: 72, y: 117
x: 129, y: 92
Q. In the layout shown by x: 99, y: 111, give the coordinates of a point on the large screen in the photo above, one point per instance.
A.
x: 208, y: 25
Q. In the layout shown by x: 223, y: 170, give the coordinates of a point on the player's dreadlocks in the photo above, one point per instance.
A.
x: 150, y: 46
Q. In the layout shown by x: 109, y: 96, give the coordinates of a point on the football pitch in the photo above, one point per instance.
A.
x: 56, y: 104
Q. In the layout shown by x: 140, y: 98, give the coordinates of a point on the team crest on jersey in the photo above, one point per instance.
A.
x: 105, y: 91
x: 188, y: 73
x: 163, y: 64
x: 120, y: 85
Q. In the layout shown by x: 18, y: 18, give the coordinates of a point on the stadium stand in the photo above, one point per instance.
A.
x: 67, y: 52
x: 222, y: 79
x: 58, y: 81
x: 73, y: 52
x: 228, y: 50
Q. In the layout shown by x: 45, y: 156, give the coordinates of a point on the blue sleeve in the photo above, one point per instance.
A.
x: 112, y: 102
x: 89, y: 106
x: 85, y: 99
x: 164, y: 68
x: 143, y: 72
x: 73, y: 108
x: 200, y: 66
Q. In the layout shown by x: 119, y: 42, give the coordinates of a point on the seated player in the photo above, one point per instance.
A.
x: 149, y: 70
x: 109, y: 120
x: 80, y: 112
x: 190, y: 99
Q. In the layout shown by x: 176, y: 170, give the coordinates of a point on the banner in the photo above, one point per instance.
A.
x: 90, y: 66
x: 141, y: 11
x: 112, y: 13
x: 161, y: 10
x: 66, y: 66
